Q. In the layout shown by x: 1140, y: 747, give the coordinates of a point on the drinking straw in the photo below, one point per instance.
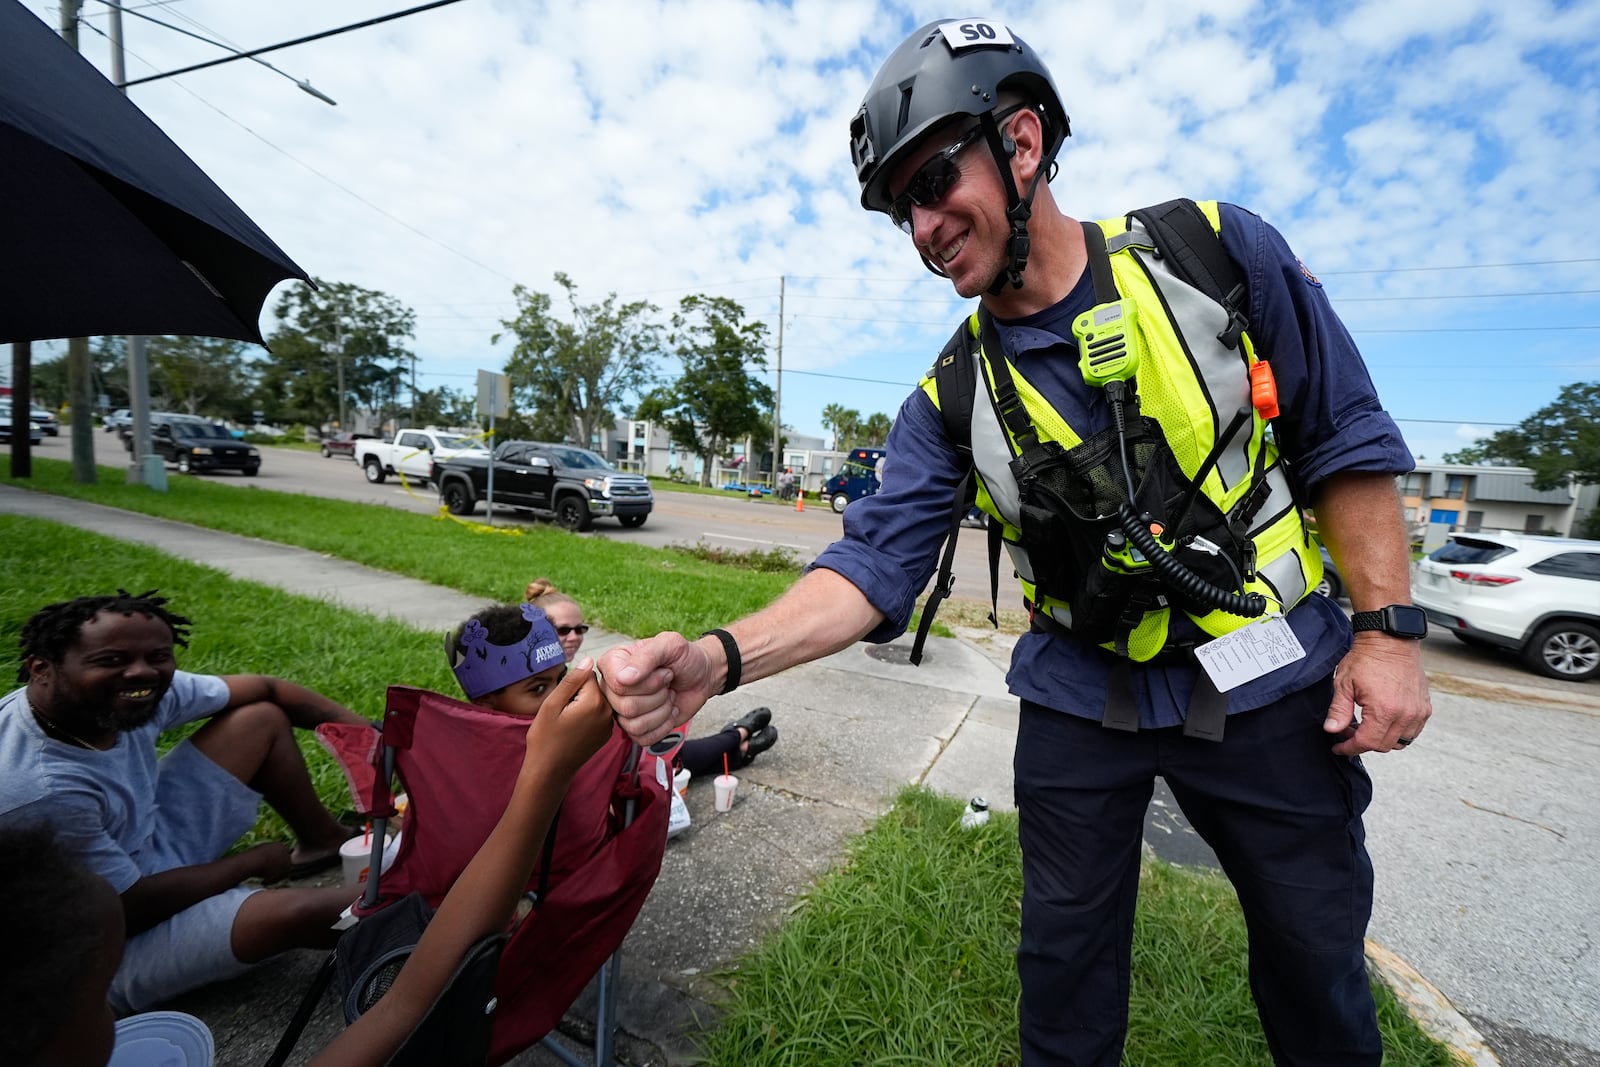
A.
x: 366, y: 836
x: 725, y: 765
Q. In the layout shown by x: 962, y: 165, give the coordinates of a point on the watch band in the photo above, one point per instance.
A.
x: 735, y: 665
x: 1394, y: 621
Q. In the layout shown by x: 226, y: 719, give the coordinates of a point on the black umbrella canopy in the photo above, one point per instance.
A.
x: 106, y: 226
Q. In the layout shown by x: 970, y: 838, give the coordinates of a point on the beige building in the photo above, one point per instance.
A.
x: 1467, y: 498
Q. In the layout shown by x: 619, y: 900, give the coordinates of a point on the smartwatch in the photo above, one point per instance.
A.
x: 1396, y: 620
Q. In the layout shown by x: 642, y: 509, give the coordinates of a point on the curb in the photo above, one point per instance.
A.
x: 1432, y: 1010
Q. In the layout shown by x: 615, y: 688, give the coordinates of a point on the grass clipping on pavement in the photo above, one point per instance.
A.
x: 906, y: 955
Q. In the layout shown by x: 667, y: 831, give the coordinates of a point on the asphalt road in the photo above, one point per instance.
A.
x: 729, y: 521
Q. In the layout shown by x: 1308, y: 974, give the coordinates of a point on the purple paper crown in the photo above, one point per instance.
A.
x: 482, y: 666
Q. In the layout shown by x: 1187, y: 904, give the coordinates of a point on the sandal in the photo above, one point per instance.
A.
x: 753, y: 722
x: 759, y: 742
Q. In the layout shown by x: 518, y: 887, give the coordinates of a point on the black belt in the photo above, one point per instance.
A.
x: 1206, y: 714
x: 1176, y: 654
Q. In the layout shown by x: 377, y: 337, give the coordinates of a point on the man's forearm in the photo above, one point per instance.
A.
x: 820, y: 614
x: 305, y: 708
x: 1360, y: 519
x: 155, y: 898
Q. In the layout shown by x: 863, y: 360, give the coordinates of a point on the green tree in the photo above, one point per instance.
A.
x: 716, y: 400
x: 337, y: 328
x: 202, y: 375
x: 845, y: 424
x: 107, y: 358
x: 875, y: 431
x: 1559, y: 442
x: 445, y: 406
x: 571, y: 377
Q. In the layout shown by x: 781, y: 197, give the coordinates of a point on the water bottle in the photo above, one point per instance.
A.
x: 977, y: 813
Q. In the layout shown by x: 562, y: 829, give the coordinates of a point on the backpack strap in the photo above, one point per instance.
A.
x: 945, y: 582
x: 955, y: 379
x: 1184, y: 237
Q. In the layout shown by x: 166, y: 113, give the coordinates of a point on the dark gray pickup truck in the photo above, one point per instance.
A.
x: 571, y: 485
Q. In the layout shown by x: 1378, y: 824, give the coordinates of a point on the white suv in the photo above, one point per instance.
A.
x: 1537, y: 595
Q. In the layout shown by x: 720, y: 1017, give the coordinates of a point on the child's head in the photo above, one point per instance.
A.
x: 564, y: 613
x: 507, y: 657
x: 63, y: 932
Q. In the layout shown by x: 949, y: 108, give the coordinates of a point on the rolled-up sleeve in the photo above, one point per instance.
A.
x: 891, y: 539
x: 1332, y: 420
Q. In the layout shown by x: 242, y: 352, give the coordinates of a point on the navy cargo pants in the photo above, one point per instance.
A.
x: 1283, y: 815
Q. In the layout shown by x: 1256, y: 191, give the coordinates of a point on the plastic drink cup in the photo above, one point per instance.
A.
x: 680, y: 782
x: 355, y: 855
x: 724, y: 784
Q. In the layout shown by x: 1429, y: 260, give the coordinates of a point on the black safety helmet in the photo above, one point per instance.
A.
x: 928, y: 81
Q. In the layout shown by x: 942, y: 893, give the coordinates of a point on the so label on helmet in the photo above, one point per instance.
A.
x: 973, y: 32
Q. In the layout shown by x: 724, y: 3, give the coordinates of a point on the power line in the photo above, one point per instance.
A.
x: 331, y: 181
x: 1458, y: 266
x: 303, y: 83
x: 298, y: 40
x: 1468, y: 296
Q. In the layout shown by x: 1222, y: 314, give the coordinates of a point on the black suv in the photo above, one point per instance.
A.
x: 196, y: 445
x: 571, y: 485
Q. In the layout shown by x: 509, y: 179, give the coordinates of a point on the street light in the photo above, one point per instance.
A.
x: 303, y: 84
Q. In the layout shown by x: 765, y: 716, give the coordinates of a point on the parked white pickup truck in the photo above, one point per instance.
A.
x: 412, y: 453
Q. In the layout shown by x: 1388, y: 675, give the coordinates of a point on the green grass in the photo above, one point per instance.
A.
x: 905, y: 955
x: 628, y: 588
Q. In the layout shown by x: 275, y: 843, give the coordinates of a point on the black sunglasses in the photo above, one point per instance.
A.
x: 565, y: 630
x: 930, y: 182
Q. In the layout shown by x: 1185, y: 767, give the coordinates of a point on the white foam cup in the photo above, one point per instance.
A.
x: 355, y: 855
x: 680, y: 782
x: 724, y: 784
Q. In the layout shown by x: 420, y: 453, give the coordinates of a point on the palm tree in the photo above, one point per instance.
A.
x: 845, y: 424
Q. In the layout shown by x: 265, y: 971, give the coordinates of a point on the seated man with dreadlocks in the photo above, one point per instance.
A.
x: 78, y: 753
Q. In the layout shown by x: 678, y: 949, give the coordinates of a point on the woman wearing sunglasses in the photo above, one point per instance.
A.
x: 741, y: 740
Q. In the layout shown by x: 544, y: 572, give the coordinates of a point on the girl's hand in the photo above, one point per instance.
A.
x: 573, y: 722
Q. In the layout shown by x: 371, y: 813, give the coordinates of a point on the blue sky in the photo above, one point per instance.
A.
x: 1408, y: 150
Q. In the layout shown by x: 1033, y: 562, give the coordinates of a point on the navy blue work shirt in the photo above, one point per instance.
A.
x: 1331, y: 423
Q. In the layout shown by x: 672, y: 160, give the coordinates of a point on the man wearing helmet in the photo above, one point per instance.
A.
x: 1121, y: 449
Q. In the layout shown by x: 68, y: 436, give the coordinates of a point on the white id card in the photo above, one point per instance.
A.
x: 966, y: 33
x: 1249, y: 652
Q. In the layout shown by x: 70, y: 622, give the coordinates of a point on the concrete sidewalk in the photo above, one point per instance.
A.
x: 855, y: 727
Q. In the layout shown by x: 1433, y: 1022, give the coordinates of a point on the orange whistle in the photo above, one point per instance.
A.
x: 1263, y: 389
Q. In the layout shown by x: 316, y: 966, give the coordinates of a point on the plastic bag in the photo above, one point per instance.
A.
x: 678, y: 817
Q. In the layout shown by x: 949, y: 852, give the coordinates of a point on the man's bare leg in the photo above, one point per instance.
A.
x: 255, y: 744
x: 274, y: 920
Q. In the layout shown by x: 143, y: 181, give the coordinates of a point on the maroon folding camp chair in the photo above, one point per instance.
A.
x: 457, y: 764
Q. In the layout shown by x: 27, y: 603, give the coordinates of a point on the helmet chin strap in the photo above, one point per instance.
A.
x: 1018, y: 210
x: 1019, y: 207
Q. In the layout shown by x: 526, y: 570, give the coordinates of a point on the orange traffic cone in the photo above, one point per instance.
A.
x: 800, y: 500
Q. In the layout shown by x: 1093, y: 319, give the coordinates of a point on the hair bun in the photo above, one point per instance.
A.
x: 537, y: 588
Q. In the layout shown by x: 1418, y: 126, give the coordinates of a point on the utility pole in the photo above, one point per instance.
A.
x: 21, y: 404
x: 335, y: 348
x: 80, y: 380
x: 413, y: 389
x: 777, y: 393
x: 141, y: 471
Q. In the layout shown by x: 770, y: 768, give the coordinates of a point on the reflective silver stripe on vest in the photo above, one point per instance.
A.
x: 1197, y: 319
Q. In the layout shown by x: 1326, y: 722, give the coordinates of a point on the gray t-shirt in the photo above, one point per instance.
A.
x: 102, y: 804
